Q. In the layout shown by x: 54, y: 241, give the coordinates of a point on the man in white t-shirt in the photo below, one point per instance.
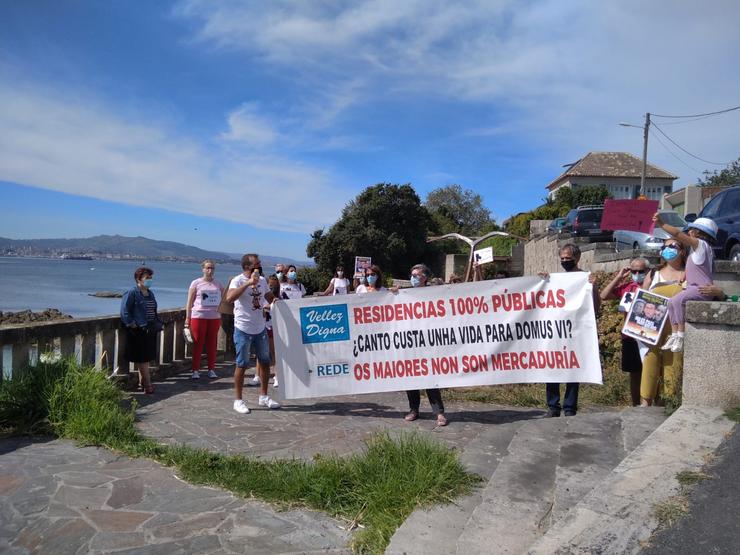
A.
x: 247, y: 292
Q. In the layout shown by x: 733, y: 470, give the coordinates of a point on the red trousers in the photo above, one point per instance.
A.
x: 205, y: 334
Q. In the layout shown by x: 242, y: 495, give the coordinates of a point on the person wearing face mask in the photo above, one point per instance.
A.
x: 374, y: 279
x: 569, y: 255
x: 139, y: 316
x: 629, y: 280
x: 280, y: 272
x: 360, y: 283
x: 203, y: 318
x: 248, y: 291
x: 419, y: 278
x: 697, y: 239
x: 339, y: 285
x: 291, y: 288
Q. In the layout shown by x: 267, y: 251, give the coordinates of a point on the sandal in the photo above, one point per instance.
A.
x: 410, y: 417
x: 441, y: 420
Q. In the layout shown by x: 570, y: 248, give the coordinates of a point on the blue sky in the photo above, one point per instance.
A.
x: 236, y: 125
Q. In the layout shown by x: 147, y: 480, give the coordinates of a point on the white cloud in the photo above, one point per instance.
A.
x: 249, y: 126
x: 562, y: 72
x: 76, y: 146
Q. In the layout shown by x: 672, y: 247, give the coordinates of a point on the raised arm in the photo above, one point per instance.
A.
x: 676, y: 233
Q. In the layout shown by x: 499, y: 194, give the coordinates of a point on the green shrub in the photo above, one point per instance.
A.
x: 377, y: 488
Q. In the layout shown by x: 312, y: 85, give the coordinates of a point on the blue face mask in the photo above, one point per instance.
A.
x: 361, y: 279
x: 148, y: 282
x: 669, y: 253
x: 279, y: 275
x: 372, y: 279
x: 639, y: 277
x: 292, y: 275
x: 415, y: 281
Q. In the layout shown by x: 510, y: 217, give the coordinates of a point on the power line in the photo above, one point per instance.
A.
x: 686, y: 151
x: 669, y: 151
x: 699, y: 115
x: 681, y: 122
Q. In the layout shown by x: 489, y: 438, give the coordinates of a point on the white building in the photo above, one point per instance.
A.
x: 619, y: 172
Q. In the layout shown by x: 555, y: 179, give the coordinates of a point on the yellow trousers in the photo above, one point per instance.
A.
x: 662, y: 370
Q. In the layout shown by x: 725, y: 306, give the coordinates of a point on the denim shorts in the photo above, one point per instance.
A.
x: 244, y: 343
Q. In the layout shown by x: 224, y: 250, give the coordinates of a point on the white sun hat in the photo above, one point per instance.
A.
x: 706, y: 225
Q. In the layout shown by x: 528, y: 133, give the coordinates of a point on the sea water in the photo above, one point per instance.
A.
x: 41, y: 283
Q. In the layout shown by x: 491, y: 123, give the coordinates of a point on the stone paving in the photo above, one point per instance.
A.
x: 200, y: 414
x: 58, y: 498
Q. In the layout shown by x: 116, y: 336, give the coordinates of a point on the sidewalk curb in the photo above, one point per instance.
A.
x: 618, y: 516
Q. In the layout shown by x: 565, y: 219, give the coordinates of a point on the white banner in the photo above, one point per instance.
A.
x: 519, y: 330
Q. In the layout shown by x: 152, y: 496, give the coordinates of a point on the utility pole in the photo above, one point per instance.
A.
x: 644, y: 155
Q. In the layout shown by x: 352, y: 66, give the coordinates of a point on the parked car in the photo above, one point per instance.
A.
x: 724, y: 209
x: 556, y: 225
x: 585, y: 221
x: 626, y: 240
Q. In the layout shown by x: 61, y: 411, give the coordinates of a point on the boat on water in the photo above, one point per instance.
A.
x: 77, y: 257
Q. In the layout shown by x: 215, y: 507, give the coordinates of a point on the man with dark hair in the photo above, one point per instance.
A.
x: 570, y: 255
x: 420, y: 275
x: 247, y: 292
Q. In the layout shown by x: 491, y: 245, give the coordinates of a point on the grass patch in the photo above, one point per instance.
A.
x: 376, y: 489
x: 688, y: 478
x: 670, y: 511
x: 733, y: 414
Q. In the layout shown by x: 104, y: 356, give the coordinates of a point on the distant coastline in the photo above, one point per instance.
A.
x: 119, y: 247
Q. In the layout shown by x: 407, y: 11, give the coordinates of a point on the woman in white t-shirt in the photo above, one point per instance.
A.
x: 290, y: 288
x: 203, y: 318
x: 339, y: 285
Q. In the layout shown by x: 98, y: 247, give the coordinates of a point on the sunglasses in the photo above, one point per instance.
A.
x: 635, y: 272
x: 672, y: 246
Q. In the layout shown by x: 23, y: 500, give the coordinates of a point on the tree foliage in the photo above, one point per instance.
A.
x: 722, y: 178
x: 386, y: 222
x: 565, y: 199
x: 458, y: 210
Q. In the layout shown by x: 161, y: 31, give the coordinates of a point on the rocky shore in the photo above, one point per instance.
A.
x: 28, y: 316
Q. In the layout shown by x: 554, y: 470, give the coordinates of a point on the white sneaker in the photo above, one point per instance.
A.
x: 241, y: 406
x: 212, y: 374
x: 265, y: 401
x: 254, y: 382
x: 274, y: 382
x: 195, y: 375
x: 677, y: 346
x: 670, y: 342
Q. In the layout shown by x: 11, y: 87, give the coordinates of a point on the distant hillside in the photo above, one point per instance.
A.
x: 118, y: 246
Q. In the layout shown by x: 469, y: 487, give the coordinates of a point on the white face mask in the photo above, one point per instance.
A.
x: 340, y: 273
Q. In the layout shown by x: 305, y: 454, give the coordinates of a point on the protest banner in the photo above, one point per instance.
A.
x: 630, y: 215
x: 483, y: 256
x: 362, y: 263
x: 519, y: 330
x: 646, y: 317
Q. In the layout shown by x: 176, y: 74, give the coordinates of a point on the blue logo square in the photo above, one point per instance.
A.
x: 322, y: 324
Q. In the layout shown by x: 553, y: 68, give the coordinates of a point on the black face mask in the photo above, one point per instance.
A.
x: 568, y: 265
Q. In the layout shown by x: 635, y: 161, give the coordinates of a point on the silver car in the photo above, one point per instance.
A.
x: 628, y: 240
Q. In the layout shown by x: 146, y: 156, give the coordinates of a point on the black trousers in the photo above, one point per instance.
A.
x: 434, y: 396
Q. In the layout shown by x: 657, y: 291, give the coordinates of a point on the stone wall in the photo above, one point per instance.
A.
x: 711, y: 375
x: 100, y: 342
x: 541, y: 255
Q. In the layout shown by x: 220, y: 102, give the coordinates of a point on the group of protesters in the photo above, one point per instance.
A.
x: 243, y: 309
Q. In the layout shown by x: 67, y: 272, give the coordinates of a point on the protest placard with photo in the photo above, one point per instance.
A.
x: 362, y: 263
x: 646, y: 317
x: 519, y: 330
